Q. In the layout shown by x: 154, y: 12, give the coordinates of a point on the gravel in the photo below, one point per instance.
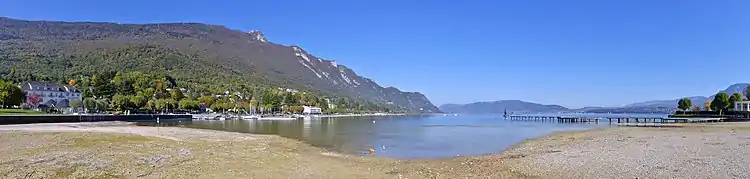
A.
x: 688, y: 152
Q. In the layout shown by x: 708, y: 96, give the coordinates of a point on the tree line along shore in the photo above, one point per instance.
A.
x: 720, y: 103
x: 139, y: 92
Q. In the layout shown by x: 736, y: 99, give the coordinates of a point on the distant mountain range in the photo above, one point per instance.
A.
x: 518, y: 106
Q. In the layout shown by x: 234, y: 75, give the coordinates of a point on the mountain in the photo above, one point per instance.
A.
x: 194, y: 53
x: 697, y: 100
x: 667, y: 103
x: 516, y: 106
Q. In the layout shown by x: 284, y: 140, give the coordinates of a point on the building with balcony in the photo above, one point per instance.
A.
x: 49, y: 94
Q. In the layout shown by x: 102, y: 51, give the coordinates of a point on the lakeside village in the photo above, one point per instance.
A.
x: 139, y: 93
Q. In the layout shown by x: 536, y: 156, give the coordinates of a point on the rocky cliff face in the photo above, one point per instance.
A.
x: 230, y: 51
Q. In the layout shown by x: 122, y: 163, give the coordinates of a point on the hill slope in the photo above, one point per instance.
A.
x: 192, y: 52
x: 501, y: 106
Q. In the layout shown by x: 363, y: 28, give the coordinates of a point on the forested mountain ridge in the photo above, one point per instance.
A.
x: 207, y: 58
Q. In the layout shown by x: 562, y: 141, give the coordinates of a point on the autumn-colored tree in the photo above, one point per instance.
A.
x: 707, y: 105
x: 72, y: 82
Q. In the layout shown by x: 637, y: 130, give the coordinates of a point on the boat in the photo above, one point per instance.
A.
x: 276, y: 118
x: 247, y: 117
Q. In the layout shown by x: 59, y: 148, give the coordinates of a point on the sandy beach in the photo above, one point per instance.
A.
x: 120, y: 150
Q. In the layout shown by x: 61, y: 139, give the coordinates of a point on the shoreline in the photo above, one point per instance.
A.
x: 269, y: 156
x: 357, y: 115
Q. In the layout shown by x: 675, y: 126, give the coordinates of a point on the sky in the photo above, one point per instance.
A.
x: 573, y: 53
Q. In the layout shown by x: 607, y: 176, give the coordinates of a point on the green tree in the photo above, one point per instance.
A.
x: 684, y: 104
x: 89, y: 104
x: 208, y: 100
x: 120, y: 102
x: 102, y: 87
x: 101, y: 105
x: 75, y: 104
x: 123, y: 84
x: 138, y: 101
x: 734, y: 98
x: 720, y: 102
x: 747, y: 92
x: 189, y: 104
x: 177, y: 94
x: 166, y: 104
x: 11, y: 94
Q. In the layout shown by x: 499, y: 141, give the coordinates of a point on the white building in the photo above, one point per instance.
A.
x: 311, y: 110
x: 49, y: 94
x: 742, y: 106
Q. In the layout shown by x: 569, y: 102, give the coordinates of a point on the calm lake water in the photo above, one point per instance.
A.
x: 403, y: 136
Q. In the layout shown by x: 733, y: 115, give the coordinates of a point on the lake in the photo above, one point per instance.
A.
x: 403, y: 137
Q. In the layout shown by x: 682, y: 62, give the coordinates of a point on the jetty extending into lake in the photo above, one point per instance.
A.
x: 620, y: 120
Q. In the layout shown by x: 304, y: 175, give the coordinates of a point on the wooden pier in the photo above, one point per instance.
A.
x: 560, y: 119
x: 611, y: 120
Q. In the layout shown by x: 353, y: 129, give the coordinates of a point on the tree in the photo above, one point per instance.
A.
x: 295, y: 109
x: 11, y: 94
x: 101, y: 105
x: 707, y: 105
x: 177, y: 94
x: 75, y: 104
x: 120, y: 102
x: 189, y: 104
x: 89, y: 104
x: 208, y: 100
x: 720, y: 102
x: 72, y: 82
x: 696, y: 109
x: 747, y: 92
x: 101, y: 86
x: 684, y: 104
x: 734, y: 98
x: 138, y: 101
x: 166, y: 104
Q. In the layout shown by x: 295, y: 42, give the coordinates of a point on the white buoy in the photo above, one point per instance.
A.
x: 373, y: 122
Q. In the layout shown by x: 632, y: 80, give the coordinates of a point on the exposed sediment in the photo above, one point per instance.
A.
x: 124, y: 151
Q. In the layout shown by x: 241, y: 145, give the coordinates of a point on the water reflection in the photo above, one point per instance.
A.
x: 400, y: 136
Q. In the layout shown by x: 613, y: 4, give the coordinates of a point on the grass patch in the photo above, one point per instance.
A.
x: 19, y: 111
x: 66, y: 172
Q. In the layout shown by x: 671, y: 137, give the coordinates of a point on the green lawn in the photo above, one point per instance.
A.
x: 19, y: 111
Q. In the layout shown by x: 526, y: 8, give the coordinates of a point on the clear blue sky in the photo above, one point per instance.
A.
x: 575, y: 53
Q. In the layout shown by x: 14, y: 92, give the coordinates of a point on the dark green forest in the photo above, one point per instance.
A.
x: 151, y: 78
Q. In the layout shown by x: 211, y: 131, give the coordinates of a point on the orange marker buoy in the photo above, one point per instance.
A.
x: 372, y: 151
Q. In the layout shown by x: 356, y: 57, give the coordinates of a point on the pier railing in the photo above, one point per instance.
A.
x: 611, y: 120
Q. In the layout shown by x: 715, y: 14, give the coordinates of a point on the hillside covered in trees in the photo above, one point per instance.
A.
x: 206, y: 60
